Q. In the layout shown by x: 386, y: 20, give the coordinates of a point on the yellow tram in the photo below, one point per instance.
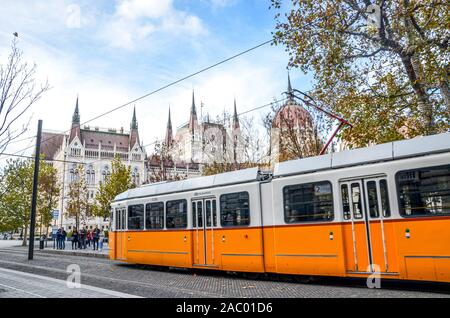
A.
x: 382, y: 209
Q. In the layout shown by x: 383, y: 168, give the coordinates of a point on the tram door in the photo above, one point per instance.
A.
x: 204, y: 224
x: 120, y: 243
x: 366, y: 208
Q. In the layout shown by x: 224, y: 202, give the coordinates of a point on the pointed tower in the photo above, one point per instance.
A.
x: 236, y: 134
x: 169, y: 132
x: 193, y: 117
x: 236, y: 124
x: 75, y: 131
x: 134, y: 135
x: 290, y: 91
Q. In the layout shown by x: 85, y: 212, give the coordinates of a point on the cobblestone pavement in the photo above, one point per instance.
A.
x: 146, y: 282
x: 16, y: 284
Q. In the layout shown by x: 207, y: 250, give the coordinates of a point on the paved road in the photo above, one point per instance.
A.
x: 17, y: 284
x: 145, y: 282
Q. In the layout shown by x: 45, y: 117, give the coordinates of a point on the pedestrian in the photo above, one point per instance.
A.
x: 83, y: 238
x: 74, y: 238
x: 89, y: 238
x: 95, y: 237
x: 55, y: 241
x: 101, y: 242
x: 63, y: 239
x: 58, y: 239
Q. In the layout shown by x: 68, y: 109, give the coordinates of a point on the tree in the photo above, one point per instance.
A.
x: 49, y: 191
x: 161, y: 164
x: 255, y: 145
x: 18, y: 93
x: 384, y: 67
x: 292, y: 137
x: 78, y: 205
x: 17, y: 187
x: 245, y: 148
x: 119, y: 181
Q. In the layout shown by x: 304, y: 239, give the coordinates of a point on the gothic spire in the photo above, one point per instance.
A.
x: 169, y: 133
x: 76, y: 114
x: 169, y: 121
x: 134, y: 124
x: 75, y: 130
x: 235, y: 116
x: 290, y: 91
x: 193, y: 110
x: 193, y: 117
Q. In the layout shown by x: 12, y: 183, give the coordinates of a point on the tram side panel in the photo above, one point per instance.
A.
x: 240, y: 247
x: 307, y: 237
x: 424, y: 248
x: 268, y: 238
x: 164, y: 248
x: 168, y: 244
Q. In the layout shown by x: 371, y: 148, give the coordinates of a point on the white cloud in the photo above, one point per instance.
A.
x: 222, y: 3
x: 107, y: 82
x: 136, y: 20
x: 132, y: 9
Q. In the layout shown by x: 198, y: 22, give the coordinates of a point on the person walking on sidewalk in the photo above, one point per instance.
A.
x: 74, y: 239
x: 54, y: 236
x: 96, y: 237
x: 82, y: 239
x: 63, y: 238
x: 58, y: 239
x: 89, y: 238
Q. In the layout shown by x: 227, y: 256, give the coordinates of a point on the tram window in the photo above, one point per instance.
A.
x: 194, y: 215
x: 111, y: 218
x: 208, y: 212
x: 200, y: 214
x: 136, y: 217
x: 385, y: 207
x: 308, y: 202
x: 118, y: 227
x: 356, y: 201
x: 154, y: 216
x: 176, y: 214
x: 424, y: 192
x: 373, y: 199
x: 123, y: 219
x: 235, y: 209
x: 345, y: 202
x: 214, y: 210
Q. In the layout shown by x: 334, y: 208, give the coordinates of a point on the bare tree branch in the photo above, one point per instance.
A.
x: 17, y: 94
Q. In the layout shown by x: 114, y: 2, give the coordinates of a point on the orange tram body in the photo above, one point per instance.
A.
x: 383, y: 209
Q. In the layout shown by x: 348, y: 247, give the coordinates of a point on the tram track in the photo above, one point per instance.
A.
x: 188, y: 283
x: 97, y: 280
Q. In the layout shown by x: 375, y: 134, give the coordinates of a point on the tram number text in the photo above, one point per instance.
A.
x: 246, y: 307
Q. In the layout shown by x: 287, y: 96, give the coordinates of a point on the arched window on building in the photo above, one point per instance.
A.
x: 90, y: 175
x: 135, y: 176
x: 73, y: 172
x: 106, y: 173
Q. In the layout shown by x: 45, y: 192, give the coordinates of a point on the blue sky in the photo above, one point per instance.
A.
x: 109, y: 52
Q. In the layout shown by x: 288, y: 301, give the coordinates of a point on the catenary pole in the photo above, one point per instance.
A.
x: 35, y: 190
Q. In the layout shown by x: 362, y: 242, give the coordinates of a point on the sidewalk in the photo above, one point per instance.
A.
x: 15, y: 284
x: 88, y: 252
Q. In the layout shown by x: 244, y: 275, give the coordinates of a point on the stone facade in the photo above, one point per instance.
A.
x: 95, y: 148
x: 293, y: 134
x: 202, y: 141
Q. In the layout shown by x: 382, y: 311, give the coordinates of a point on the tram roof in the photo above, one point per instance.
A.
x: 228, y: 178
x: 384, y: 152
